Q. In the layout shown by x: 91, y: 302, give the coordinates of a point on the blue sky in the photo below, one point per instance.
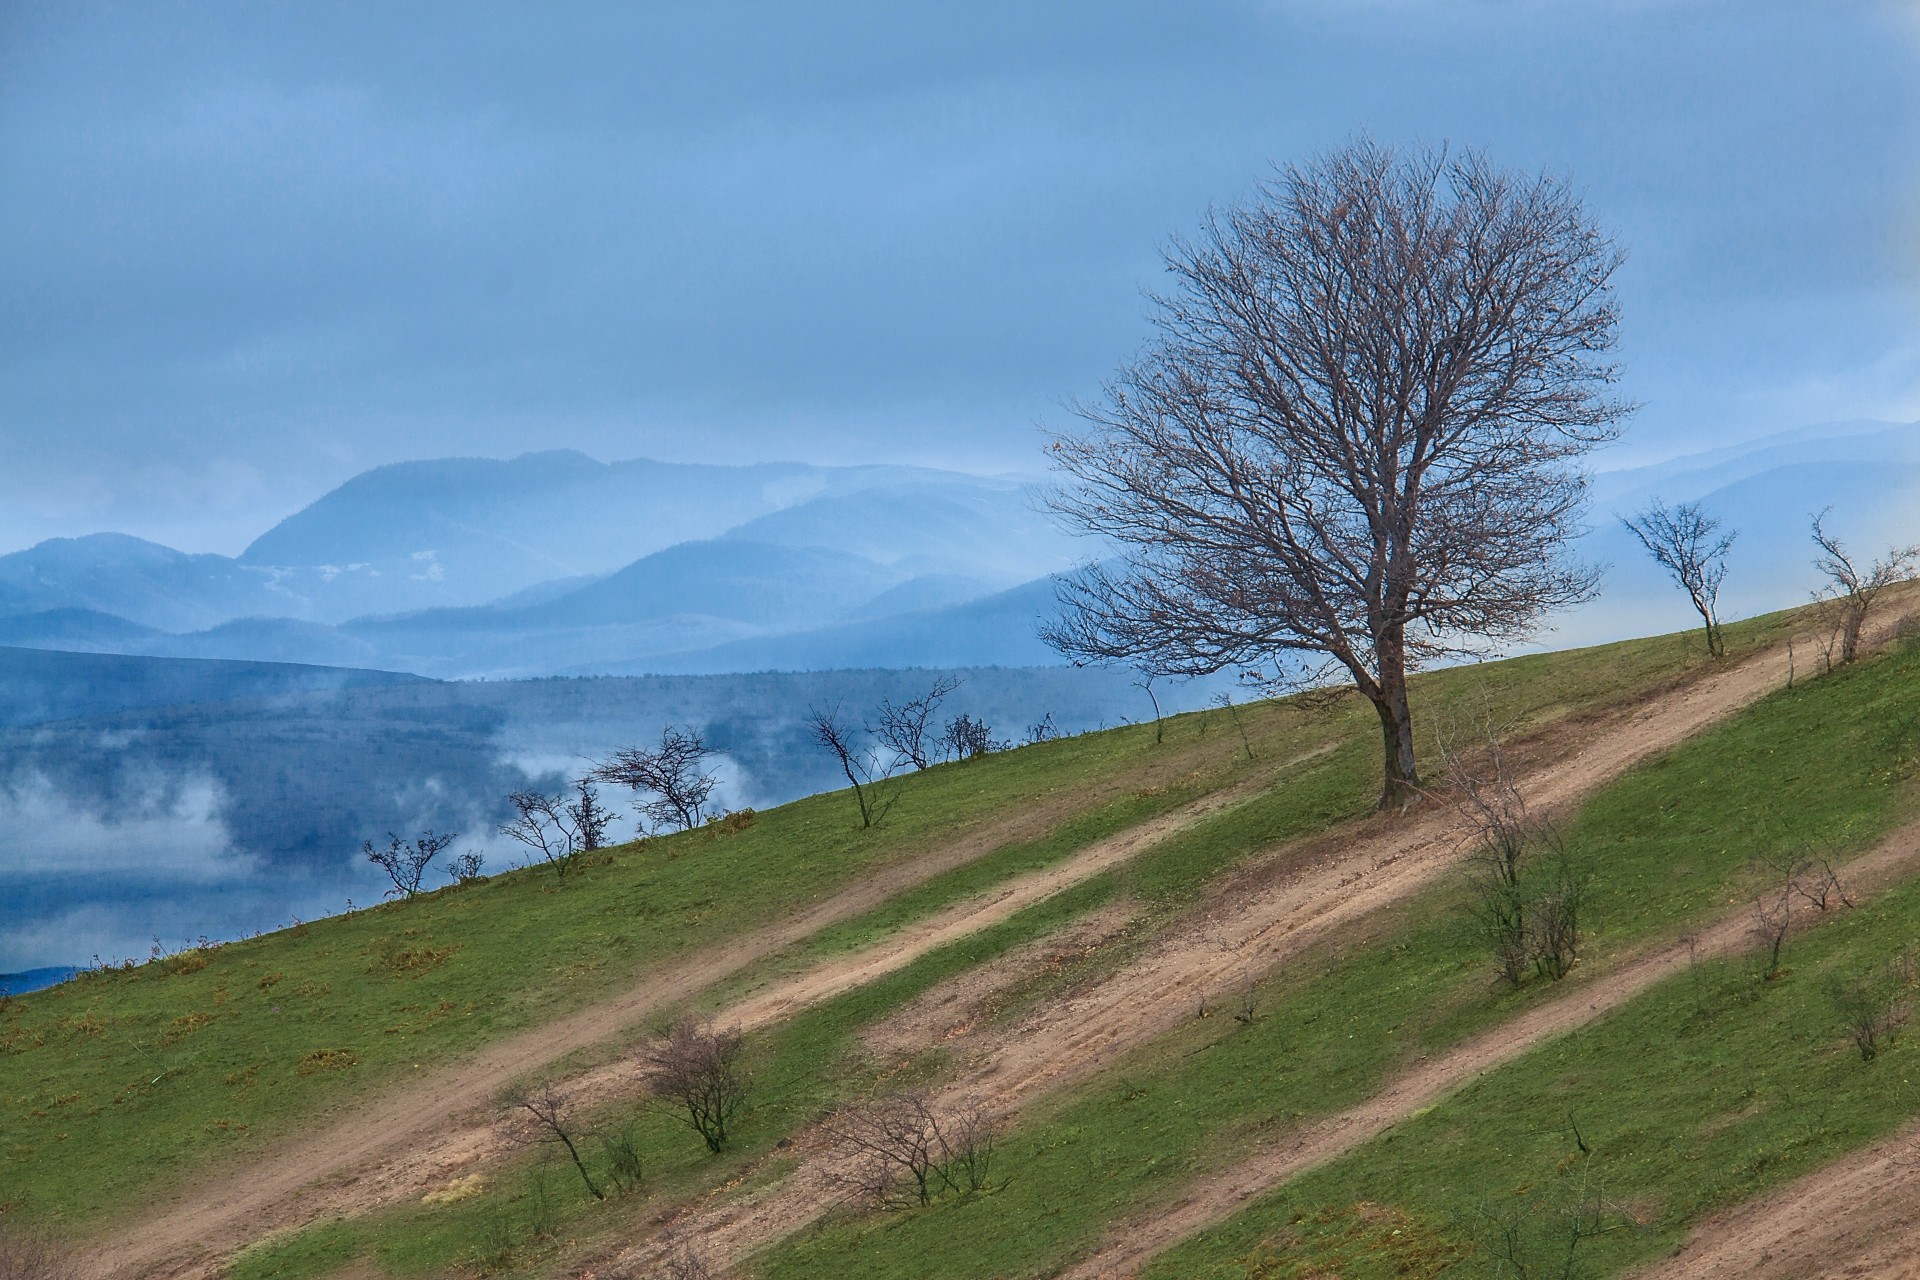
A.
x: 247, y: 250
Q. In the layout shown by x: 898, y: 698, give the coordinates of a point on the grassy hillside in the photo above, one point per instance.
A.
x: 115, y: 1086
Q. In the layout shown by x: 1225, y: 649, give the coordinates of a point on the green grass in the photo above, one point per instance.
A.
x: 120, y: 1084
x: 1668, y: 844
x: 1713, y: 1088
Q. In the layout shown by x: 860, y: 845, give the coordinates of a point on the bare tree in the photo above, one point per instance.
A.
x: 671, y: 773
x: 465, y: 869
x: 826, y: 728
x: 696, y: 1070
x: 1851, y: 589
x: 551, y: 827
x: 1144, y: 683
x: 549, y: 1115
x: 406, y: 862
x: 903, y: 729
x: 965, y: 738
x: 906, y: 1153
x: 1688, y: 544
x: 1042, y: 730
x: 1354, y: 444
x: 26, y: 1256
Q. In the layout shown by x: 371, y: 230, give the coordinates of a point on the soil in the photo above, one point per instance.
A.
x: 1213, y: 1199
x: 1857, y: 1218
x: 416, y: 1137
x: 1304, y: 901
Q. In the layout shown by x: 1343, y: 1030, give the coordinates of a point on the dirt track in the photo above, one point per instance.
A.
x: 1214, y: 1199
x: 400, y: 1143
x: 1245, y: 934
x: 1857, y: 1218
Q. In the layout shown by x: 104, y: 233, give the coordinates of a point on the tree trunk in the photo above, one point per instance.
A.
x: 1389, y: 697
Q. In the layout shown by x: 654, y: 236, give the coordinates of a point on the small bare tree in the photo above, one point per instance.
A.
x: 1874, y: 1009
x: 671, y: 773
x: 696, y: 1071
x: 1851, y: 588
x: 406, y: 862
x: 1688, y: 544
x: 1353, y: 445
x: 555, y: 828
x: 965, y: 738
x: 27, y: 1256
x: 549, y: 1119
x: 464, y: 869
x: 827, y: 729
x: 903, y: 1152
x: 903, y: 728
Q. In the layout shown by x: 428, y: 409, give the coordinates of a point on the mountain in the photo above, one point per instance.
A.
x: 39, y: 686
x: 999, y: 630
x: 1868, y: 473
x: 411, y: 558
x: 464, y: 531
x: 139, y: 581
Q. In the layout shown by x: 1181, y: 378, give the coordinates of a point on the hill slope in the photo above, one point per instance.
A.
x: 967, y: 900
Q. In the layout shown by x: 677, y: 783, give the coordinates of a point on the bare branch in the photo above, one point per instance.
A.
x: 696, y: 1071
x: 1681, y: 539
x: 670, y: 773
x: 1851, y: 589
x: 1356, y: 437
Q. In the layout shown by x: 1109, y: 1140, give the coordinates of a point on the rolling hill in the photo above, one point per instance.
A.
x: 1220, y: 1017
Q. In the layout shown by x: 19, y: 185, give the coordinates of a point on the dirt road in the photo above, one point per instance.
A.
x: 399, y: 1143
x: 1246, y: 932
x: 1857, y: 1218
x: 1216, y: 1198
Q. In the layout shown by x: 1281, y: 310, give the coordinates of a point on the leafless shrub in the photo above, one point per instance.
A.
x: 1042, y: 730
x: 1224, y: 700
x: 826, y: 729
x: 681, y: 1260
x: 965, y: 738
x: 626, y: 1168
x: 27, y: 1256
x: 1526, y: 924
x: 1786, y: 878
x: 1145, y: 685
x: 550, y: 826
x: 548, y: 1114
x: 696, y: 1071
x: 1852, y: 588
x: 903, y: 728
x: 1681, y: 539
x: 406, y: 862
x: 670, y: 773
x: 465, y: 868
x: 904, y: 1153
x: 1874, y: 1009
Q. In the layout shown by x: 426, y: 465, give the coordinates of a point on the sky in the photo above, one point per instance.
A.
x: 248, y: 250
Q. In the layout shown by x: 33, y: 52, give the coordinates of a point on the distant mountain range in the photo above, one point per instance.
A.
x: 556, y: 563
x: 548, y: 562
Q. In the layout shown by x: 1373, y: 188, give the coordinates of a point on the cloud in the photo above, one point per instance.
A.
x: 158, y: 830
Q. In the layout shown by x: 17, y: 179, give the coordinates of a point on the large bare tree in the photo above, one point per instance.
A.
x: 1353, y: 446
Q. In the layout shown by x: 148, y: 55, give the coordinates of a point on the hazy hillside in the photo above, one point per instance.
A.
x: 143, y: 796
x: 142, y: 582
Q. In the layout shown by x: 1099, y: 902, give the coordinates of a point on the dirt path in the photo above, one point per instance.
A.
x: 1245, y: 932
x: 1213, y: 1199
x: 1857, y: 1218
x: 400, y: 1142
